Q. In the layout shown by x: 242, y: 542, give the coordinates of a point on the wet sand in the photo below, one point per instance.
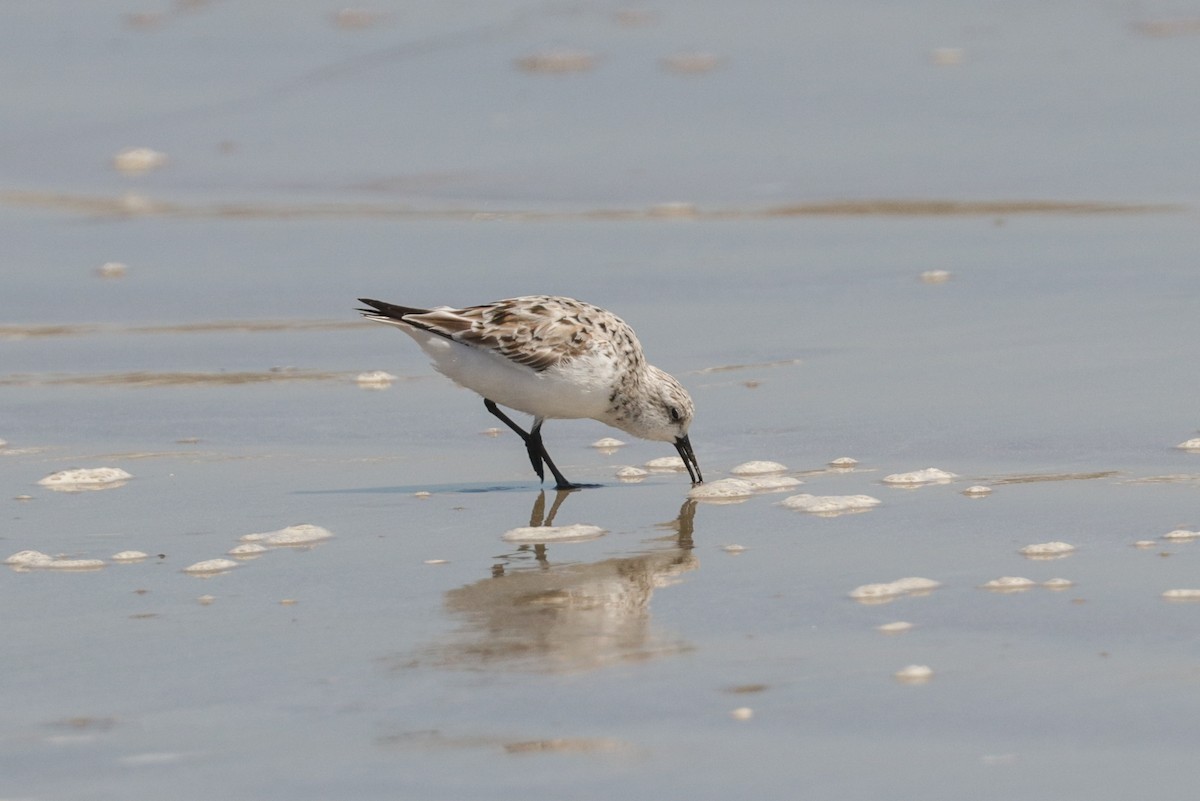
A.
x: 795, y: 277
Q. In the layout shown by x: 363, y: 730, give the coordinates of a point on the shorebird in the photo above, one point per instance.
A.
x: 553, y: 358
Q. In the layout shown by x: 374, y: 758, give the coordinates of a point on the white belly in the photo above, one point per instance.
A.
x: 580, y: 389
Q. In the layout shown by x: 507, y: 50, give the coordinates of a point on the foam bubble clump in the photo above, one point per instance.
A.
x: 31, y: 560
x: 1057, y: 584
x: 629, y: 473
x: 757, y: 468
x: 843, y: 462
x: 28, y: 558
x: 914, y: 674
x: 929, y: 475
x: 896, y: 627
x: 247, y: 549
x: 666, y: 463
x: 772, y: 483
x: 830, y: 504
x: 138, y: 159
x: 1182, y: 595
x: 1190, y: 445
x: 1181, y: 535
x: 577, y: 532
x: 129, y: 556
x: 722, y: 490
x: 85, y: 478
x: 604, y: 443
x: 210, y: 566
x: 112, y: 269
x: 1009, y: 584
x: 304, y: 534
x: 894, y: 589
x: 375, y: 379
x: 977, y: 491
x: 1047, y: 550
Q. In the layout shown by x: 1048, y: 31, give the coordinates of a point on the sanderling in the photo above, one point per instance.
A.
x: 550, y: 357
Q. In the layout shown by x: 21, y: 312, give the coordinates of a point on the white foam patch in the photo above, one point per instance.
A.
x: 375, y: 379
x: 896, y: 627
x: 303, y: 534
x: 1190, y: 445
x: 138, y: 159
x: 843, y: 462
x: 666, y: 463
x: 1009, y: 584
x: 112, y: 269
x: 1057, y: 584
x: 929, y: 475
x: 75, y: 564
x: 36, y: 560
x: 247, y: 549
x: 733, y: 549
x: 1047, y: 550
x: 977, y: 491
x: 606, y: 443
x: 28, y: 558
x: 129, y: 556
x: 86, y: 478
x: 629, y: 473
x: 1145, y: 544
x: 758, y: 468
x: 724, y: 490
x: 772, y: 483
x: 210, y: 566
x: 1181, y: 535
x: 1182, y: 595
x: 577, y: 532
x: 830, y: 504
x: 890, y: 590
x: 914, y: 674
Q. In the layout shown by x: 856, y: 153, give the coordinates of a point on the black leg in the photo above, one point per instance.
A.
x: 494, y: 409
x: 533, y: 446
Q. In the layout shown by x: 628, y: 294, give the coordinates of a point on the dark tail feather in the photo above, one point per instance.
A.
x: 391, y: 310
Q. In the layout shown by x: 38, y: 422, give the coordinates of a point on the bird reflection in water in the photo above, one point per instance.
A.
x: 533, y: 614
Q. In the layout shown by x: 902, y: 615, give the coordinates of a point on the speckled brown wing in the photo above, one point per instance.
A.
x: 538, y: 332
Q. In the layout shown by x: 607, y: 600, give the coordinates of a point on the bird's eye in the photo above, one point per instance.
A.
x: 675, y: 415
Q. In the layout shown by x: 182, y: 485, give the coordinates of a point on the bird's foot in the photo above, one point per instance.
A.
x: 570, y: 486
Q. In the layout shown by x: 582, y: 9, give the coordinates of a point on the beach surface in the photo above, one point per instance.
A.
x: 958, y: 236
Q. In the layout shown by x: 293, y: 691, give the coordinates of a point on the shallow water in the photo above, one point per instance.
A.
x: 417, y: 653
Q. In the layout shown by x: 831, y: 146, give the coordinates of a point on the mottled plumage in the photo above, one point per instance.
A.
x: 551, y: 357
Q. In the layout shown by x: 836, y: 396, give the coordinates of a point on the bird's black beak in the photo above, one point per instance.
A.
x: 684, y: 446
